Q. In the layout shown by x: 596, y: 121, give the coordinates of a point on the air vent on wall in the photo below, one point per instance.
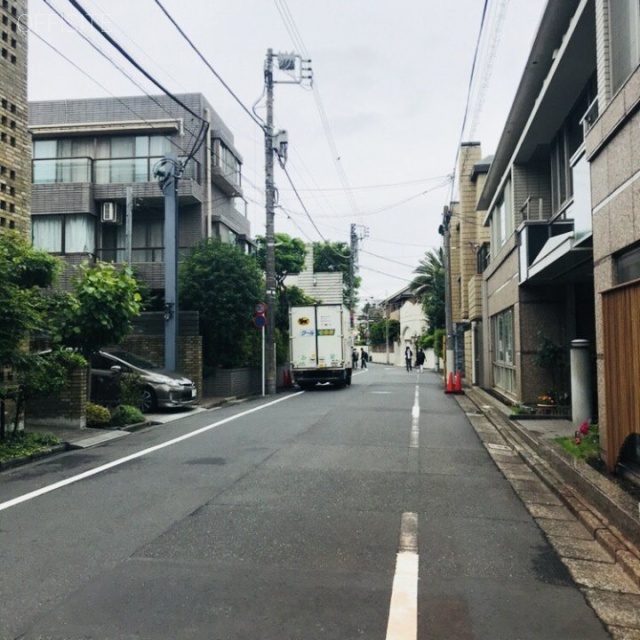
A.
x: 109, y: 212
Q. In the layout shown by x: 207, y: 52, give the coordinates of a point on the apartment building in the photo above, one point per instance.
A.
x: 87, y: 153
x: 15, y: 145
x: 613, y: 152
x: 468, y: 247
x: 563, y: 209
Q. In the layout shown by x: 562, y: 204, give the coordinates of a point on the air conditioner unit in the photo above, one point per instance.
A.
x: 109, y: 212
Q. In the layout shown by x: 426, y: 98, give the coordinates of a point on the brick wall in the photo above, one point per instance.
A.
x: 151, y: 347
x: 66, y: 408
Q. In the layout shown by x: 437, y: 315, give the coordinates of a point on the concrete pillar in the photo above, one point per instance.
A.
x: 581, y: 389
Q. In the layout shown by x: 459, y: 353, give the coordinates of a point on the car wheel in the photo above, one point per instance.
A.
x: 148, y: 401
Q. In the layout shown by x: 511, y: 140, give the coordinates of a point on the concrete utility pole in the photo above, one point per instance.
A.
x: 270, y: 249
x: 168, y: 171
x: 275, y: 142
x: 448, y: 309
x: 128, y: 225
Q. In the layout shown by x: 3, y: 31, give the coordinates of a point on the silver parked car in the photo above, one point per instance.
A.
x: 162, y: 389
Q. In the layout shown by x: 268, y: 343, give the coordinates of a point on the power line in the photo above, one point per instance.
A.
x: 378, y: 186
x: 73, y: 64
x: 89, y: 18
x: 118, y: 67
x: 294, y: 32
x: 206, y: 62
x: 402, y: 264
x: 466, y: 108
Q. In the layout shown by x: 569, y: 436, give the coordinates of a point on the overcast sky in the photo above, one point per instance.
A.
x: 392, y: 77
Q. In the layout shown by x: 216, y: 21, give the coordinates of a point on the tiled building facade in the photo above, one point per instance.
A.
x: 563, y: 208
x: 87, y: 153
x: 15, y: 143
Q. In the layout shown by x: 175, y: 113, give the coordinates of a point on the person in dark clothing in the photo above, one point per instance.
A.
x: 354, y: 358
x: 420, y: 358
x: 364, y: 358
x: 408, y: 355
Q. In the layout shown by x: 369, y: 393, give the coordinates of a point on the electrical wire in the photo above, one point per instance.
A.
x: 466, y: 109
x: 292, y: 29
x: 92, y: 78
x: 208, y: 65
x: 204, y: 126
x: 118, y: 67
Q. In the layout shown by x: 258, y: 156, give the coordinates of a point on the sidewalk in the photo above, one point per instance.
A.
x: 608, y: 509
x: 90, y: 437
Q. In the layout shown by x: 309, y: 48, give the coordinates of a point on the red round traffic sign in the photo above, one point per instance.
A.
x: 260, y: 309
x: 259, y: 321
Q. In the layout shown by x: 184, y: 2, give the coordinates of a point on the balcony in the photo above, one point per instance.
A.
x: 61, y: 170
x: 550, y: 253
x: 103, y: 171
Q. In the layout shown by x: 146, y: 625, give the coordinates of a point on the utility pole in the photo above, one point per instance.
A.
x: 168, y: 171
x: 446, y: 234
x: 353, y: 265
x: 275, y: 142
x: 128, y: 225
x: 270, y: 249
x: 354, y: 237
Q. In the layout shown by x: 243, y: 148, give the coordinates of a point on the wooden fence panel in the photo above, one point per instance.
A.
x: 621, y: 322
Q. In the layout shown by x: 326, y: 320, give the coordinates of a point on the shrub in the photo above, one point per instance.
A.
x: 97, y: 415
x: 131, y: 387
x: 125, y: 414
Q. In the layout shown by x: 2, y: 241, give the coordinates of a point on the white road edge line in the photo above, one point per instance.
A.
x: 115, y: 463
x: 403, y: 610
x: 415, y: 421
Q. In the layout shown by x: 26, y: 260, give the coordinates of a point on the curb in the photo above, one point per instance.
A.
x: 600, y: 505
x: 18, y: 462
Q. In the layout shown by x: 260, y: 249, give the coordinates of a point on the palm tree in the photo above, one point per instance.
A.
x: 428, y: 287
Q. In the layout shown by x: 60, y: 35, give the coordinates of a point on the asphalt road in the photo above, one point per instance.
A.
x: 370, y: 512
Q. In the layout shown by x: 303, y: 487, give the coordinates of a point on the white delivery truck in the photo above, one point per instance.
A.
x: 320, y: 345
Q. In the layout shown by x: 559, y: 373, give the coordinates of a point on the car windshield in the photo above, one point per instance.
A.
x: 134, y: 360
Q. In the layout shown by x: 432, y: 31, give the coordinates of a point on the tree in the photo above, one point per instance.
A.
x: 105, y: 301
x: 336, y: 256
x: 25, y: 273
x: 428, y: 287
x: 378, y: 332
x: 289, y: 253
x: 223, y: 285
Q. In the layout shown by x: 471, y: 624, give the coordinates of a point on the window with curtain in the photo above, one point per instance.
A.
x: 147, y: 240
x: 65, y: 234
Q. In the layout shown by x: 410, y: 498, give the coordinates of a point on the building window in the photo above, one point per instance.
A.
x: 565, y: 149
x: 65, y: 234
x: 504, y: 372
x: 502, y: 220
x: 226, y: 162
x: 624, y: 40
x: 628, y: 266
x: 147, y: 243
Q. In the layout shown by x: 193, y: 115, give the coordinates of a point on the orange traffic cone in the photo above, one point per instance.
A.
x: 458, y: 384
x: 449, y: 388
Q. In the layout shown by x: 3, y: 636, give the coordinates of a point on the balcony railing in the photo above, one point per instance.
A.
x: 103, y: 171
x: 52, y: 170
x: 138, y: 254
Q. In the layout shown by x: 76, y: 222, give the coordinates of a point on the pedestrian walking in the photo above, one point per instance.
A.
x: 364, y: 358
x: 408, y: 355
x: 354, y: 358
x: 420, y: 358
